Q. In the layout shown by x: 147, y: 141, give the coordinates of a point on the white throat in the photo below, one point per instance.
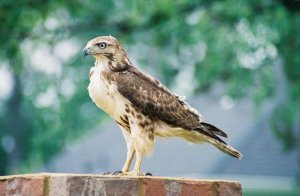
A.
x: 101, y: 61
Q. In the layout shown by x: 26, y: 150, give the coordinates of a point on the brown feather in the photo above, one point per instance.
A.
x: 154, y: 100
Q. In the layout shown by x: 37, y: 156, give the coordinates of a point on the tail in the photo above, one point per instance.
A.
x: 211, y: 132
x: 227, y: 149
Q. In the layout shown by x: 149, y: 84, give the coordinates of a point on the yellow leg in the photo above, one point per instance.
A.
x: 137, y: 166
x: 130, y: 150
x: 130, y: 154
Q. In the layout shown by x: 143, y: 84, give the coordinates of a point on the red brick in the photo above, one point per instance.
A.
x: 2, y: 187
x: 193, y: 188
x: 34, y: 187
x: 153, y: 187
x: 22, y: 185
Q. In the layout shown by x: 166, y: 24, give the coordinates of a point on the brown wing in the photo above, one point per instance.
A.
x: 155, y: 100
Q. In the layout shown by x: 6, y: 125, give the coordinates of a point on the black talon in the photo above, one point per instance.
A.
x: 148, y: 174
x: 117, y: 172
x: 106, y: 173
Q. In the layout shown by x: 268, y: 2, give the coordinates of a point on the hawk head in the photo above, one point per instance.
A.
x: 107, y: 48
x: 103, y: 45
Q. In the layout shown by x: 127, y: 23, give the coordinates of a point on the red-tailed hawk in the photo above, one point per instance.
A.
x: 142, y: 106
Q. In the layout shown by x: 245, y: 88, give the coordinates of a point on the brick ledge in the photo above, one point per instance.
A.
x: 88, y: 184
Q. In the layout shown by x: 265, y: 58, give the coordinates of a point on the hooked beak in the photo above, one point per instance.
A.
x: 85, y: 52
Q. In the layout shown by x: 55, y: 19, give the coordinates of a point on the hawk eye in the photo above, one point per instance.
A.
x: 101, y: 45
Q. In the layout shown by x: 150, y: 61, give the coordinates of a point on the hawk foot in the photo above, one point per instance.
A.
x: 112, y: 173
x: 133, y: 173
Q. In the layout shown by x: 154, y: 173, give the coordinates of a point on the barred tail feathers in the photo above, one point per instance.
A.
x: 226, y: 149
x: 212, y: 134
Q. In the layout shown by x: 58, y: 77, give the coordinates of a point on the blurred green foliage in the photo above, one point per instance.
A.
x: 238, y: 43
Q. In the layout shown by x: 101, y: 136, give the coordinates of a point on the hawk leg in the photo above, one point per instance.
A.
x: 137, y: 166
x: 130, y: 154
x: 139, y: 139
x: 130, y: 149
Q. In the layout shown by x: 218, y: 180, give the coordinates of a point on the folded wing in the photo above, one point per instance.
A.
x: 155, y: 100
